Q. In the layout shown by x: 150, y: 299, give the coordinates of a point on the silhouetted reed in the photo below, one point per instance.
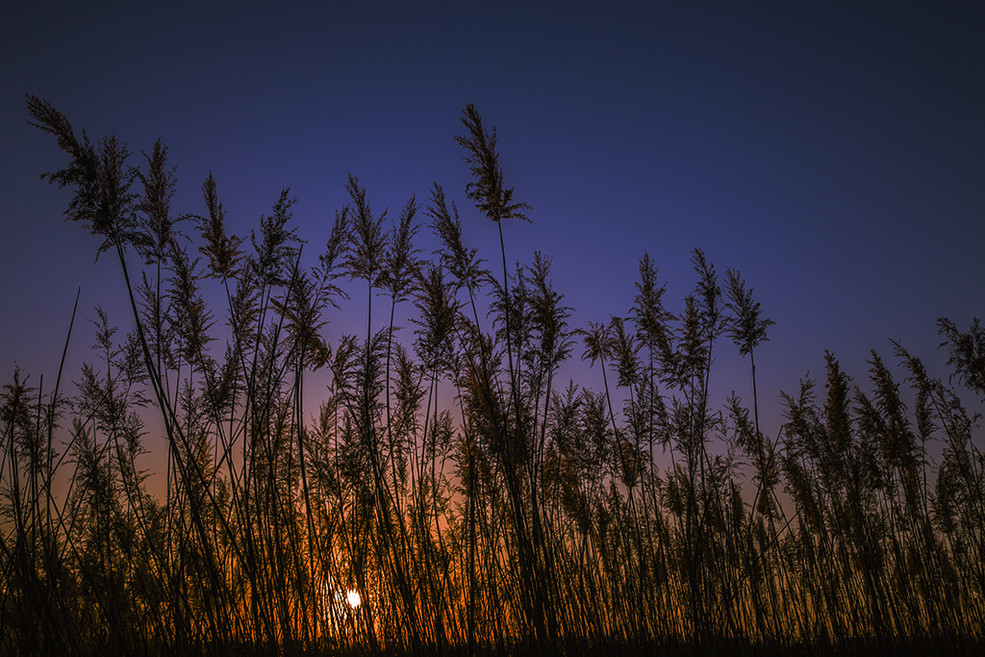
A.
x: 519, y: 513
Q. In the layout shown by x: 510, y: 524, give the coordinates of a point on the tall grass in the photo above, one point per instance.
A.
x: 520, y: 512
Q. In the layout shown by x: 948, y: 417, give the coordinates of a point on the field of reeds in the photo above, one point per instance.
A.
x: 520, y: 513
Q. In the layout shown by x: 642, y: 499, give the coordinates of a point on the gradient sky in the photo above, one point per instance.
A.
x: 832, y: 152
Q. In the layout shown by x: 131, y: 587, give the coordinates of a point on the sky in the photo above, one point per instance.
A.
x: 833, y: 153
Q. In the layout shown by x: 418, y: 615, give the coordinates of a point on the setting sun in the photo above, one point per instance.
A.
x: 353, y: 598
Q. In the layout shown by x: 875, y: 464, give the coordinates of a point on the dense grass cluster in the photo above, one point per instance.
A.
x: 518, y: 512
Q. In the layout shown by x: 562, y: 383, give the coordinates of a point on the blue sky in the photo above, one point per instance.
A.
x: 834, y: 153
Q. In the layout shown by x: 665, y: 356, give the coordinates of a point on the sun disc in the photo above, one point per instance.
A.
x: 353, y: 598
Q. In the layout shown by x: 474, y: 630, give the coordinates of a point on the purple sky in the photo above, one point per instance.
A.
x: 834, y: 154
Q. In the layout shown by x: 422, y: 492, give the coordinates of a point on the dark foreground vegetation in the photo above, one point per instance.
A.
x: 511, y: 512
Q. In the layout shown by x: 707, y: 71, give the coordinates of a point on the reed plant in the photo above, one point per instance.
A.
x: 519, y: 513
